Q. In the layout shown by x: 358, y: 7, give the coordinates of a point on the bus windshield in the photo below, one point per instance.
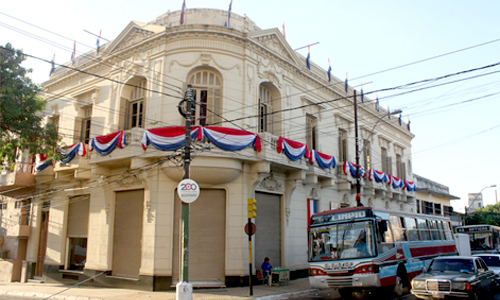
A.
x: 481, y: 241
x: 342, y: 241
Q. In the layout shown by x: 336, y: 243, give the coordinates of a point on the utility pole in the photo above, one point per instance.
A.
x: 358, y: 175
x: 184, y: 290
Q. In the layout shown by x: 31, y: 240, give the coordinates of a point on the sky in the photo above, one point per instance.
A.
x: 441, y: 55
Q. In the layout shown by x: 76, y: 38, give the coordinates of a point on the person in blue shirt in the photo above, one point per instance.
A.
x: 266, y: 267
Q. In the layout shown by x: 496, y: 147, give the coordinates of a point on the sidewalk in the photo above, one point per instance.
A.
x: 59, y: 291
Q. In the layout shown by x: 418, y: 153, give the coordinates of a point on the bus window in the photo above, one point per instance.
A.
x: 411, y: 226
x: 440, y: 227
x: 431, y: 224
x: 398, y: 228
x: 423, y: 229
x: 447, y: 231
x: 384, y: 236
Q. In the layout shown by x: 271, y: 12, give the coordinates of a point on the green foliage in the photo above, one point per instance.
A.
x: 488, y: 215
x: 20, y: 107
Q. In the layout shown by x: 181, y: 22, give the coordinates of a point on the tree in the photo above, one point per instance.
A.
x: 20, y: 106
x: 488, y: 215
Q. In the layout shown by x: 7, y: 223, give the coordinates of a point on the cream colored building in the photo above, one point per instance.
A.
x: 118, y: 213
x: 434, y: 198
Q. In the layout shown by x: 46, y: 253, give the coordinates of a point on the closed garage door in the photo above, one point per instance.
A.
x: 207, y: 238
x: 268, y: 235
x: 128, y: 233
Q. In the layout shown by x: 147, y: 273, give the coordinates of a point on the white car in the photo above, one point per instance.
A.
x: 492, y: 260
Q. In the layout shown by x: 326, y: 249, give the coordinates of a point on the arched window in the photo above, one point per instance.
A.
x: 207, y: 91
x: 265, y: 110
x: 133, y: 104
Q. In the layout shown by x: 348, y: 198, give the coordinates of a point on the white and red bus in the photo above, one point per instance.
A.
x: 483, y: 238
x: 361, y: 249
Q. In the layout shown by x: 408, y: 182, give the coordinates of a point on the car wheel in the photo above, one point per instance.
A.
x: 475, y: 296
x: 398, y: 287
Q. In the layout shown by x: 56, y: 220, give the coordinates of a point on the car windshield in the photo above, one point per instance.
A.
x: 491, y: 260
x: 342, y: 241
x: 452, y: 265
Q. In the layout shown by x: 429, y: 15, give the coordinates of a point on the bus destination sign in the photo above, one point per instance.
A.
x: 473, y: 229
x: 341, y: 216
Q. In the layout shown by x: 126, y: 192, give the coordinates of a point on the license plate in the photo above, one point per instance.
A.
x: 438, y: 295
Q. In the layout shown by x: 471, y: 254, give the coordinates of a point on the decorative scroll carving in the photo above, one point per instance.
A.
x: 206, y: 59
x: 133, y: 37
x: 270, y: 184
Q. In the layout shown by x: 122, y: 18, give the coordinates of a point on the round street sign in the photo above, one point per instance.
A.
x: 254, y: 228
x: 188, y: 190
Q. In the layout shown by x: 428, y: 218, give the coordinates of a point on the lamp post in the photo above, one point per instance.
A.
x: 358, y: 175
x: 477, y: 196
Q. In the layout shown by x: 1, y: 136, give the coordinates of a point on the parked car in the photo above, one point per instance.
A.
x: 492, y: 260
x: 455, y: 276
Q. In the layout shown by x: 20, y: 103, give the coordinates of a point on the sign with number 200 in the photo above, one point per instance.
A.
x: 188, y: 190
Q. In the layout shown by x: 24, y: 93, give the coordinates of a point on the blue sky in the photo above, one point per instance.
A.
x: 456, y: 125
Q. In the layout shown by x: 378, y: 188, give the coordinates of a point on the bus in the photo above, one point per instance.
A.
x: 483, y: 238
x: 364, y: 249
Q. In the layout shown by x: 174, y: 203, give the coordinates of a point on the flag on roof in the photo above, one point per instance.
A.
x: 98, y: 42
x: 346, y: 86
x: 283, y: 26
x: 53, y: 65
x: 329, y: 71
x: 73, y: 55
x: 229, y: 13
x: 362, y: 94
x: 308, y: 57
x: 183, y: 11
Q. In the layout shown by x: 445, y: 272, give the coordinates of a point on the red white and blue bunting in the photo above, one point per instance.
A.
x: 105, y: 144
x: 42, y: 162
x: 167, y: 138
x: 410, y: 186
x: 378, y: 176
x: 324, y: 161
x: 396, y: 182
x: 231, y: 139
x: 294, y: 150
x: 71, y: 151
x: 350, y: 168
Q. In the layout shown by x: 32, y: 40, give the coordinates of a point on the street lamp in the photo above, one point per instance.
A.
x: 358, y: 175
x: 477, y: 196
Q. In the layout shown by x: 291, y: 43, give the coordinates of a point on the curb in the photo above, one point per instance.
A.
x: 44, y: 295
x: 286, y: 295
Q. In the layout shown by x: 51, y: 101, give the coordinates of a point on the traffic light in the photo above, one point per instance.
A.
x: 252, y: 208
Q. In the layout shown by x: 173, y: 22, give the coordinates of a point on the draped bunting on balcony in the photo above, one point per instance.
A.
x: 294, y: 150
x: 351, y: 168
x: 42, y: 162
x: 395, y: 182
x: 410, y: 186
x: 324, y: 161
x: 378, y: 176
x: 71, y: 151
x: 231, y: 139
x: 173, y: 138
x: 168, y: 138
x: 105, y: 144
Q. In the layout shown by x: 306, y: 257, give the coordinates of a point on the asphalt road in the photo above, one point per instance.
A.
x: 331, y: 295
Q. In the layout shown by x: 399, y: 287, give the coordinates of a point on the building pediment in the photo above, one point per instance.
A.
x: 273, y: 40
x: 133, y: 34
